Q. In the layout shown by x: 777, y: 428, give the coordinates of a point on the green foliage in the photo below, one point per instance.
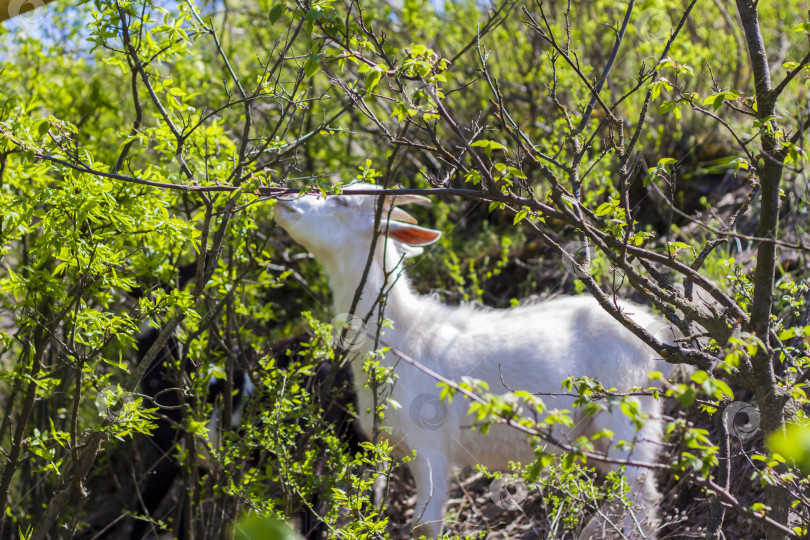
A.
x: 251, y: 527
x: 794, y: 444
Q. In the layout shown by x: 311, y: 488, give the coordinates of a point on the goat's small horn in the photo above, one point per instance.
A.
x: 410, y: 199
x: 398, y: 214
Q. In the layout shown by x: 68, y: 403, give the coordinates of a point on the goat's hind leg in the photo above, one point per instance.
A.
x: 618, y: 519
x: 640, y: 520
x: 643, y: 486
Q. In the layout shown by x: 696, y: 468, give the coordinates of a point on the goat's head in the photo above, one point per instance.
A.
x: 341, y: 224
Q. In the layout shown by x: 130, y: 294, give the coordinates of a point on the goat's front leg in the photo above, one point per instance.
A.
x: 430, y: 472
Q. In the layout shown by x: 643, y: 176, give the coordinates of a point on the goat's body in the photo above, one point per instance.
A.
x: 532, y: 348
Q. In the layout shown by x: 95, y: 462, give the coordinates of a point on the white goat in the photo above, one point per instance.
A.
x: 530, y: 348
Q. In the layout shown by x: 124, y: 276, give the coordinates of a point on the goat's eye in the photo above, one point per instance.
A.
x: 341, y: 201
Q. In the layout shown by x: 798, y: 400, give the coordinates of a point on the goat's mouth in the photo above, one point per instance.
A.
x: 285, y: 205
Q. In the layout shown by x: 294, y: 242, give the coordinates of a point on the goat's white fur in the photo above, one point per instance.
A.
x: 532, y: 347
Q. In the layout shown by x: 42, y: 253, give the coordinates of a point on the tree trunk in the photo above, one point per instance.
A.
x: 773, y: 405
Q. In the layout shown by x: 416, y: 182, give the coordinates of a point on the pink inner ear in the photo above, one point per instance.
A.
x: 414, y: 236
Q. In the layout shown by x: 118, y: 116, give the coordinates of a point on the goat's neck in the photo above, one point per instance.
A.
x: 345, y: 274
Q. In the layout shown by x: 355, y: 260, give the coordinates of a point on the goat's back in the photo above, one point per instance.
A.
x: 538, y: 344
x: 532, y: 347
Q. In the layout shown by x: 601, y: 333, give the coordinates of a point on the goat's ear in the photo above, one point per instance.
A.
x: 397, y: 200
x: 412, y: 235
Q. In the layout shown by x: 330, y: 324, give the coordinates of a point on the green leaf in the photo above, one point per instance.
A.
x: 314, y: 14
x: 42, y: 127
x: 789, y: 333
x: 520, y: 216
x: 495, y: 204
x: 604, y: 209
x: 676, y: 113
x: 312, y: 65
x: 659, y: 85
x: 665, y: 107
x: 712, y: 99
x: 488, y: 145
x: 372, y: 79
x: 568, y: 461
x: 252, y: 527
x: 700, y: 376
x: 724, y: 389
x: 804, y: 27
x: 717, y: 100
x: 218, y: 372
x: 675, y: 247
x: 401, y: 112
x: 473, y: 176
x: 793, y: 443
x: 275, y: 13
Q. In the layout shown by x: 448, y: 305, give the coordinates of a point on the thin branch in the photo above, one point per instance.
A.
x: 613, y: 53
